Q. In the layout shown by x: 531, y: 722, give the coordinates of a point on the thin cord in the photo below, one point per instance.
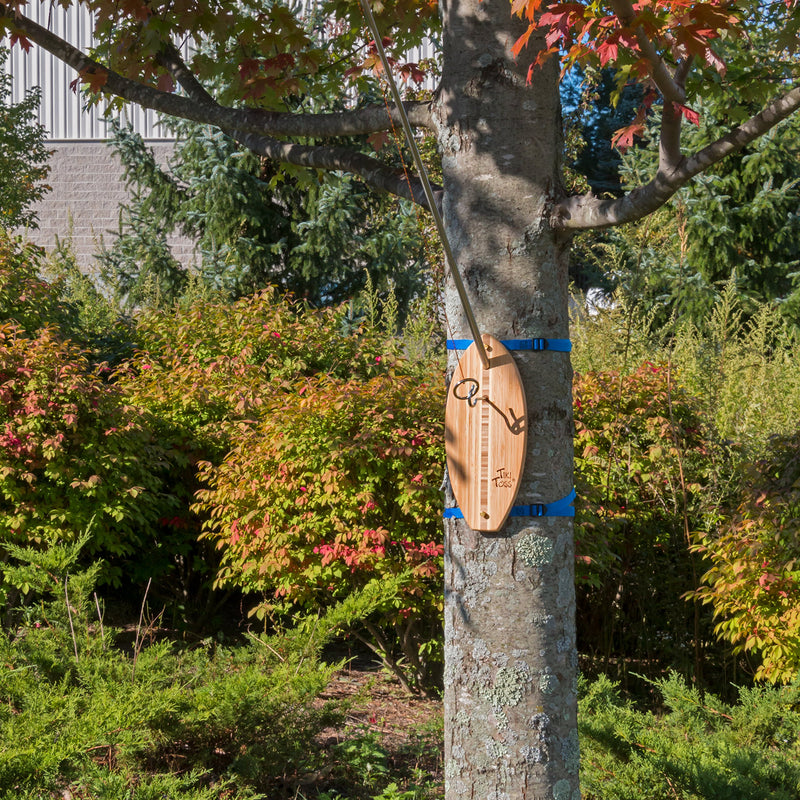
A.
x: 426, y: 185
x: 399, y: 147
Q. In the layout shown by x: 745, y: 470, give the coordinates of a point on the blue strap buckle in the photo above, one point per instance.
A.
x: 560, y: 508
x: 559, y: 345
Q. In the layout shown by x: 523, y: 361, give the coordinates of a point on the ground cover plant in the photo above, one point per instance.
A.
x: 697, y: 748
x: 86, y: 713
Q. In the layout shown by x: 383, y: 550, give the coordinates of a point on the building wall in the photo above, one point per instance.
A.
x: 84, y: 204
x: 62, y: 110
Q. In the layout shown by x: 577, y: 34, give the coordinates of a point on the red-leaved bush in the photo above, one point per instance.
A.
x: 335, y: 485
x: 73, y: 455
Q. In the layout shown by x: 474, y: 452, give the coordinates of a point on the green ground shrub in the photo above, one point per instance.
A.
x: 79, y: 713
x: 697, y: 748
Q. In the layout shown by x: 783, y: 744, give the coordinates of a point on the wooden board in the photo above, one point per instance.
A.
x: 486, y: 431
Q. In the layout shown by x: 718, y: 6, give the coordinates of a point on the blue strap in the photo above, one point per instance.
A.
x: 561, y: 508
x: 561, y: 345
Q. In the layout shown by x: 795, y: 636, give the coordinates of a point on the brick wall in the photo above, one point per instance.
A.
x: 84, y: 204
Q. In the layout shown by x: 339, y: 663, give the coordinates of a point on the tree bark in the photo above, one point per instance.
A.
x: 510, y: 653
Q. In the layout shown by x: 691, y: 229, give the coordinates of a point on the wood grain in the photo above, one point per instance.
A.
x: 485, y: 435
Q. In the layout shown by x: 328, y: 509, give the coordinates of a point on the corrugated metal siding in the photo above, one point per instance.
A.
x: 62, y: 110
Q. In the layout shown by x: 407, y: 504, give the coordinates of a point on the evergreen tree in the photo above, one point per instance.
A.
x: 23, y: 156
x: 737, y: 224
x: 254, y: 226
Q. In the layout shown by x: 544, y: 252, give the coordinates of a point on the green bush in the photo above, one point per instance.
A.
x: 79, y: 714
x: 647, y: 473
x: 23, y: 155
x: 699, y: 748
x: 753, y: 583
x: 741, y: 379
x: 25, y: 299
x: 337, y: 486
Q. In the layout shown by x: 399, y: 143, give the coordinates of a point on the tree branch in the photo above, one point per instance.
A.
x: 170, y: 58
x: 343, y: 159
x: 357, y: 122
x: 199, y: 106
x: 669, y: 88
x: 587, y: 211
x: 669, y: 144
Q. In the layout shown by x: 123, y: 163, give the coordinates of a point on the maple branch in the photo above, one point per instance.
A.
x: 373, y: 172
x: 357, y: 122
x: 170, y: 58
x: 200, y: 107
x: 587, y: 211
x: 669, y: 143
x: 671, y: 89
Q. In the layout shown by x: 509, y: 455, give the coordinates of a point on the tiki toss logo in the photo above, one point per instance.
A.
x: 503, y: 479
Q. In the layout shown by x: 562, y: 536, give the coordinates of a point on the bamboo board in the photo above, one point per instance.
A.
x: 486, y: 432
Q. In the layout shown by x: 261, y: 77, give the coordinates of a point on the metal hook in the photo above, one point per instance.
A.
x: 470, y: 396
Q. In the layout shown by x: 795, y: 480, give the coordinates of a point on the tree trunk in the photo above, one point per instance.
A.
x: 510, y: 654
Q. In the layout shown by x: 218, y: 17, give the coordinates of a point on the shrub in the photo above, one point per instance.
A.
x: 73, y: 455
x: 80, y: 717
x: 270, y: 395
x: 699, y: 749
x: 753, y: 584
x: 204, y: 367
x: 647, y: 472
x: 25, y: 298
x: 337, y: 486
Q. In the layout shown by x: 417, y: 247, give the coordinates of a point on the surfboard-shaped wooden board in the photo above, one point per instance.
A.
x: 486, y: 431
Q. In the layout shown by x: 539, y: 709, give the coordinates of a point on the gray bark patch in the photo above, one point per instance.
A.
x: 566, y: 588
x: 570, y: 752
x: 548, y: 683
x: 562, y: 790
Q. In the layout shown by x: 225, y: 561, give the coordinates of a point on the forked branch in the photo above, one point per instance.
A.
x: 587, y: 211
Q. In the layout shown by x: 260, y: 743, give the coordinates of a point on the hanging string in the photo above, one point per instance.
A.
x: 426, y: 238
x: 426, y: 185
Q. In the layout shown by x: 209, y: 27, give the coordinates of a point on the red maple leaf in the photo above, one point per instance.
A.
x: 623, y: 138
x: 378, y: 139
x: 607, y: 51
x: 165, y: 83
x: 691, y: 116
x: 523, y: 40
x: 21, y: 40
x: 248, y: 68
x: 94, y: 77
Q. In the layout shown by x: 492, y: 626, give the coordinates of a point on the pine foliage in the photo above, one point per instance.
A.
x: 253, y: 227
x: 23, y: 156
x: 698, y: 748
